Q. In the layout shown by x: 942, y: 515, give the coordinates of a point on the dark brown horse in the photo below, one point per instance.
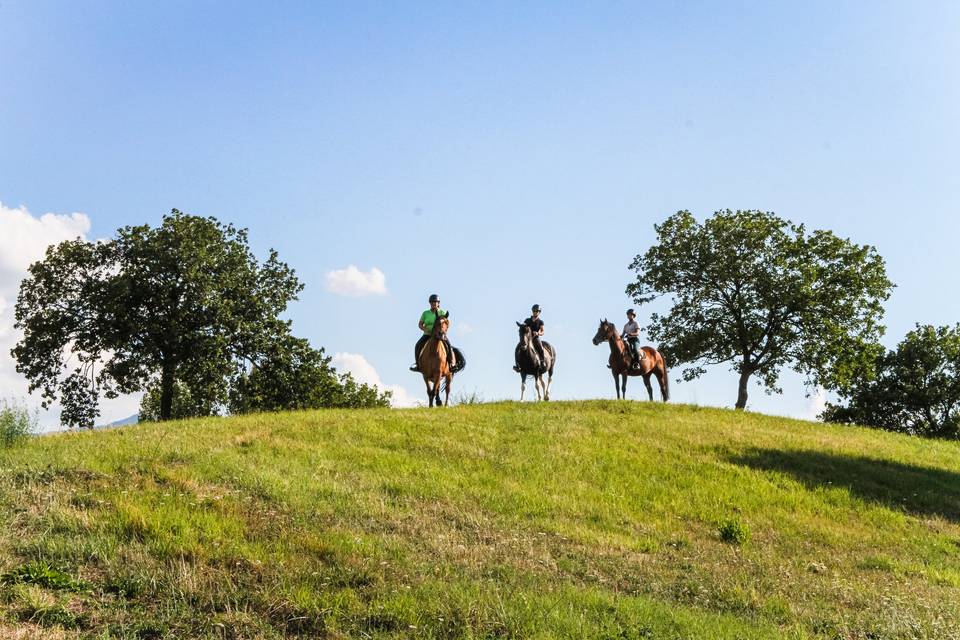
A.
x: 432, y: 363
x: 620, y: 360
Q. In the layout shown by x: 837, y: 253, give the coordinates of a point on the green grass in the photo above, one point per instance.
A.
x: 580, y: 519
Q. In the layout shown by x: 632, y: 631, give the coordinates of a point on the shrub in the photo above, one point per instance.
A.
x: 734, y: 531
x: 43, y: 575
x: 16, y: 423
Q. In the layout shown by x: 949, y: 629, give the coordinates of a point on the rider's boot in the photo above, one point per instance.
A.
x: 416, y: 353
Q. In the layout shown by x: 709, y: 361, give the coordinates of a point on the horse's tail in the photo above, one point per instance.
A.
x: 461, y: 361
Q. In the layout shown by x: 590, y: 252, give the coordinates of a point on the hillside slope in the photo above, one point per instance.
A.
x: 575, y: 519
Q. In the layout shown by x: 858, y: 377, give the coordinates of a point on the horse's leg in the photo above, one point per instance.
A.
x: 523, y: 385
x: 553, y: 362
x: 546, y: 395
x: 646, y: 381
x: 429, y: 392
x: 626, y: 377
x: 616, y: 383
x: 446, y: 399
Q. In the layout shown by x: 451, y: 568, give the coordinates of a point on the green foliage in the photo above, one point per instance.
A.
x: 734, y: 531
x: 16, y: 423
x: 184, y: 302
x: 293, y: 375
x: 184, y: 404
x: 43, y: 575
x: 754, y: 290
x: 916, y: 389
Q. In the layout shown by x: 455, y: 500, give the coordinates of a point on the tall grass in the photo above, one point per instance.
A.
x: 16, y: 423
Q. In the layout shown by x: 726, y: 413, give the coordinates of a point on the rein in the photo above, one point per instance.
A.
x: 616, y: 344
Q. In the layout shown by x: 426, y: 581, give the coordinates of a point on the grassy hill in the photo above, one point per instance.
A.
x: 574, y: 519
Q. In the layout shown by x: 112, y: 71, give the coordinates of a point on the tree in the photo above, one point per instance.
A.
x: 186, y: 302
x: 916, y: 389
x: 292, y: 375
x: 757, y: 291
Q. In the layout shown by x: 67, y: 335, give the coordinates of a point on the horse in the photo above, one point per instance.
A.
x: 620, y: 360
x: 432, y: 362
x: 530, y: 363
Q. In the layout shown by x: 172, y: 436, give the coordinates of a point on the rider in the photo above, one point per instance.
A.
x: 427, y: 320
x: 536, y: 328
x: 631, y: 333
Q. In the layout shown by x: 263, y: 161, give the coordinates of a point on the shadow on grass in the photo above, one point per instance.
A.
x: 918, y: 490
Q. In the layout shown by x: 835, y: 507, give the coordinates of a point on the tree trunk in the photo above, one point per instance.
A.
x: 166, y: 391
x: 742, y: 393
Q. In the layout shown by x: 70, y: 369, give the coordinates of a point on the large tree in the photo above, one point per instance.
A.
x: 184, y: 303
x: 756, y: 291
x: 916, y: 389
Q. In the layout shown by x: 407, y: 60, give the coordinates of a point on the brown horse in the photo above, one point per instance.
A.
x: 432, y: 362
x: 620, y: 360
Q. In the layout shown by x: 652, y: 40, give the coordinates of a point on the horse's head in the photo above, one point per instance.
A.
x: 604, y: 332
x: 525, y: 332
x: 440, y: 326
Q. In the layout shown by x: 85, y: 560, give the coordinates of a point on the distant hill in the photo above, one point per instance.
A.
x: 595, y: 519
x: 134, y: 419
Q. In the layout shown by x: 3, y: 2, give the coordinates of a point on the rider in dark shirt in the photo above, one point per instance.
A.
x: 536, y: 328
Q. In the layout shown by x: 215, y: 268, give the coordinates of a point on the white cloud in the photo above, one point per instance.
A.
x: 364, y: 372
x: 818, y: 402
x: 353, y: 282
x: 463, y: 328
x: 24, y: 239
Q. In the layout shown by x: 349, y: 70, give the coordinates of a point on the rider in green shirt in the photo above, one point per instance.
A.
x: 427, y: 320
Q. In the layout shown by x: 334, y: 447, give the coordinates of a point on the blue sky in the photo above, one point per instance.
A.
x: 499, y: 154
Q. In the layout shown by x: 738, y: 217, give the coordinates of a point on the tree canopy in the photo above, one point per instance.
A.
x: 916, y: 389
x: 293, y: 375
x: 756, y: 291
x: 184, y: 305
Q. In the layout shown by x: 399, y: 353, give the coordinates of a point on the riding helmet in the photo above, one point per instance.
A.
x: 535, y: 308
x: 434, y: 298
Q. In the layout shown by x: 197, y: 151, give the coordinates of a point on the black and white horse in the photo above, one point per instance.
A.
x: 531, y: 364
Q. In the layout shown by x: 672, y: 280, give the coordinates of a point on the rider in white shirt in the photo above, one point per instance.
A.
x: 631, y: 334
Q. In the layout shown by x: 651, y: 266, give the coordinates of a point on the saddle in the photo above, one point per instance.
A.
x: 540, y: 364
x: 460, y: 364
